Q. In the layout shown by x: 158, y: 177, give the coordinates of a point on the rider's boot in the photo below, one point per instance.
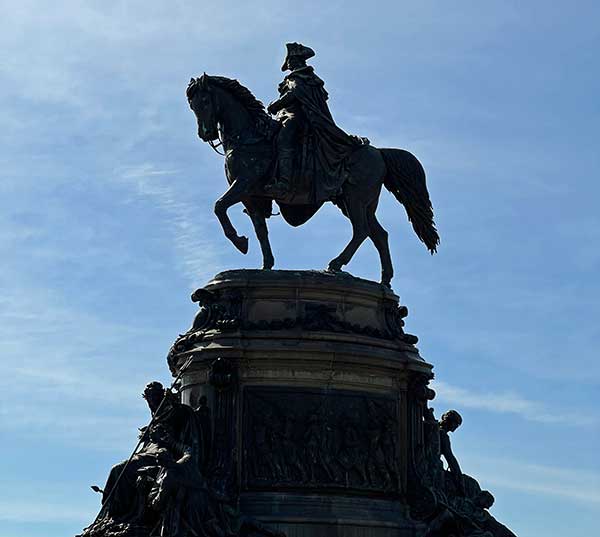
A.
x: 282, y: 184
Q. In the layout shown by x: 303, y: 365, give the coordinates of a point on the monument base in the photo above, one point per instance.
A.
x: 302, y: 411
x: 314, y: 385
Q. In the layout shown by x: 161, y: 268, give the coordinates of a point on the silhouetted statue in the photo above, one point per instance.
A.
x: 124, y: 493
x: 302, y: 160
x: 461, y: 508
x: 164, y: 490
x: 449, y: 422
x: 309, y: 143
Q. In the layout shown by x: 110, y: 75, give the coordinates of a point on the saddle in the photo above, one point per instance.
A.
x: 308, y: 174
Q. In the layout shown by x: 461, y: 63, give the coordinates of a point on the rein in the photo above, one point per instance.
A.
x: 216, y: 146
x: 238, y: 138
x: 247, y: 135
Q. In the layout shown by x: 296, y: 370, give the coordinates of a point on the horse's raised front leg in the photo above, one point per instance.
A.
x: 231, y: 197
x: 262, y: 233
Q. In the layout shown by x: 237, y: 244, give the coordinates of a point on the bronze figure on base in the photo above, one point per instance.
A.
x: 303, y: 159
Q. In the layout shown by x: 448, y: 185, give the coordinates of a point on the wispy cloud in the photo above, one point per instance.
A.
x: 197, y: 256
x: 24, y: 510
x: 509, y: 403
x: 57, y: 354
x: 56, y: 502
x: 86, y: 426
x: 573, y: 484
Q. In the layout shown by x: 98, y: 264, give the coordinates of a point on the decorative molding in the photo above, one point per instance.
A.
x: 221, y: 311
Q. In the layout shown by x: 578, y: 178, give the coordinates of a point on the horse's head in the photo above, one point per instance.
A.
x: 226, y: 109
x: 201, y: 98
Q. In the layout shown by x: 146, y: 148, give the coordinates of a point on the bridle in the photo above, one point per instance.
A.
x: 221, y: 141
x: 216, y: 146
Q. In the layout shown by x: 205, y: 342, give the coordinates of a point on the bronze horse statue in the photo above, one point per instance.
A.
x: 227, y: 112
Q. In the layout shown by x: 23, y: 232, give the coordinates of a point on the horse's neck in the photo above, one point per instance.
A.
x: 234, y: 118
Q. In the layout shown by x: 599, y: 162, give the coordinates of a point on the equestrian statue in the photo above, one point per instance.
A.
x: 300, y: 159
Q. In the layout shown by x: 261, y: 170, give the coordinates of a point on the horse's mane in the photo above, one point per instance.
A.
x: 255, y: 107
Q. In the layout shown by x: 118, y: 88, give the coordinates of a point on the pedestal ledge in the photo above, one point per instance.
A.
x: 299, y: 306
x: 302, y: 279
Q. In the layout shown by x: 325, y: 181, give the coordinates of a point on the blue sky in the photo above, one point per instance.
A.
x: 106, y: 225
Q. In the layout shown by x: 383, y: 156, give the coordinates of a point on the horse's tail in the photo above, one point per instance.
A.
x: 405, y: 179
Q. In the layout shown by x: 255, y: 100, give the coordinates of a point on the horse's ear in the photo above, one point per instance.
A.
x: 204, y: 81
x: 192, y: 80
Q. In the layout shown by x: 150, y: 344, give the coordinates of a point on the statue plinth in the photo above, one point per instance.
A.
x: 302, y: 411
x: 316, y: 395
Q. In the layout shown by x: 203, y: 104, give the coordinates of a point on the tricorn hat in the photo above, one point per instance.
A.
x: 296, y: 50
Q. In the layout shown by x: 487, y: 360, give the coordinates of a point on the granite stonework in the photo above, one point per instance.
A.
x: 318, y: 393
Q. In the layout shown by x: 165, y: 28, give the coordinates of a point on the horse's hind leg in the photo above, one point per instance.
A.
x: 379, y: 236
x: 262, y: 233
x: 357, y: 213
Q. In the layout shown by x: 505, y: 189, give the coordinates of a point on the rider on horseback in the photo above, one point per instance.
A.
x: 306, y: 123
x: 328, y: 164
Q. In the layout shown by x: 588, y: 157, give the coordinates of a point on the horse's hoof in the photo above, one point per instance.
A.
x: 241, y: 243
x: 334, y: 267
x: 268, y: 266
x: 386, y: 279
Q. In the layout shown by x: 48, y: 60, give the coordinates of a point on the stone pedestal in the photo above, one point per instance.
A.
x: 315, y: 397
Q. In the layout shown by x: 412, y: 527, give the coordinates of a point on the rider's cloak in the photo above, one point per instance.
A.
x: 325, y: 147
